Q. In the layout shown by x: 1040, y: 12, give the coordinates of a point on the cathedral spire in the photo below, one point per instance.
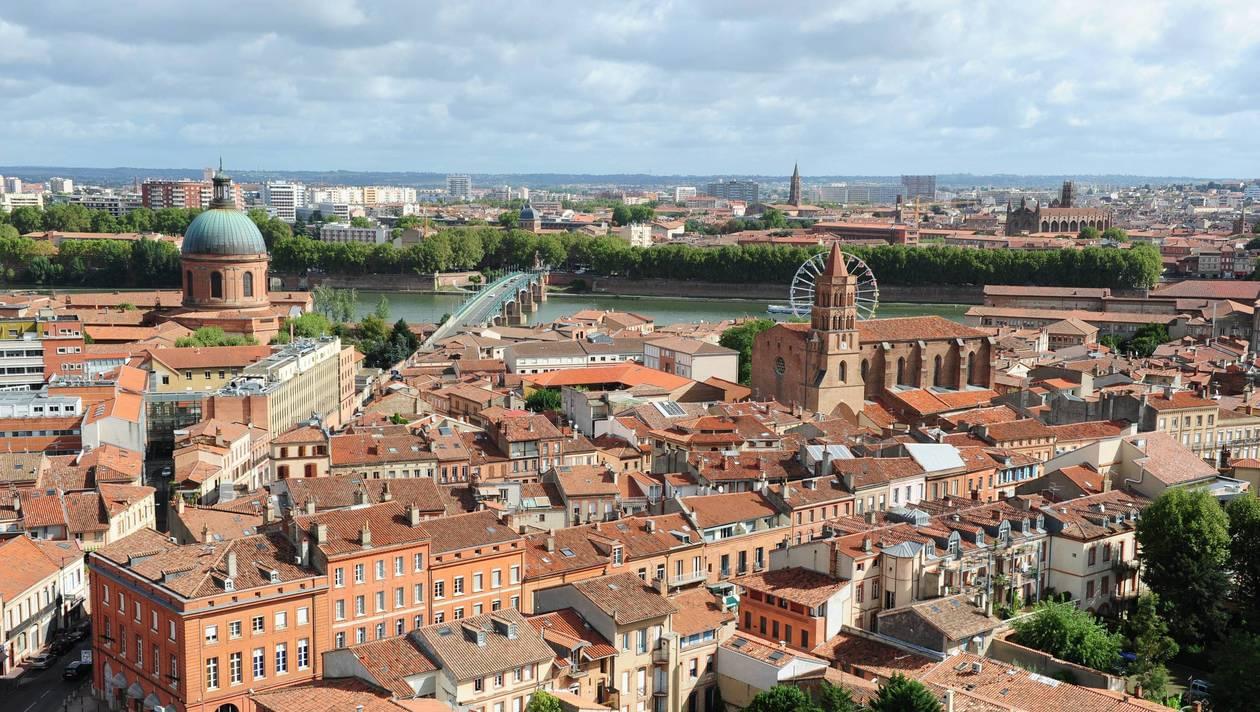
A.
x: 836, y: 266
x: 794, y: 189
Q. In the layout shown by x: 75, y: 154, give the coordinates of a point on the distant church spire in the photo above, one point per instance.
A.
x: 794, y: 191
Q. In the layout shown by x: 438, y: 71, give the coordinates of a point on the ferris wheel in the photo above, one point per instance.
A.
x: 802, y: 295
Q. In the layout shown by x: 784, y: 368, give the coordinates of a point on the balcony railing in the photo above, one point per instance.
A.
x: 686, y: 578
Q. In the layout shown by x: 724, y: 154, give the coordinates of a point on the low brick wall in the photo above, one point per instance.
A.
x: 1005, y: 651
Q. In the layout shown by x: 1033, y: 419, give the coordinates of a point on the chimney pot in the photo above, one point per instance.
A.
x: 551, y: 544
x: 231, y: 564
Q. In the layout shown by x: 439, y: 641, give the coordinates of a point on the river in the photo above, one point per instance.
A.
x: 429, y: 308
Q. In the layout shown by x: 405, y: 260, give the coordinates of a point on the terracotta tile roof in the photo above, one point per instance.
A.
x: 575, y: 549
x: 1090, y: 430
x: 797, y: 584
x: 686, y: 345
x: 25, y: 566
x: 179, y: 359
x: 1094, y: 516
x: 954, y: 616
x: 1180, y: 400
x: 465, y: 531
x: 339, y: 491
x: 329, y: 695
x: 1087, y: 479
x: 764, y: 651
x: 453, y: 645
x: 197, y: 570
x: 585, y: 481
x: 117, y: 498
x: 528, y: 427
x: 567, y: 629
x: 699, y: 610
x: 372, y: 448
x: 853, y: 652
x: 1168, y: 460
x: 387, y: 523
x: 718, y: 509
x: 625, y: 598
x: 301, y: 434
x: 219, y: 525
x: 391, y: 660
x: 982, y: 416
x: 1017, y: 689
x: 914, y: 328
x: 868, y: 471
x: 21, y: 468
x: 1026, y: 429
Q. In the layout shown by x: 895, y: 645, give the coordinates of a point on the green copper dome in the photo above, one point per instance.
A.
x: 223, y: 231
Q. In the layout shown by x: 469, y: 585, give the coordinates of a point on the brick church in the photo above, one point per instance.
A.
x: 836, y: 363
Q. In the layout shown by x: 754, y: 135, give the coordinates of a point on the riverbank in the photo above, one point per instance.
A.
x: 624, y: 287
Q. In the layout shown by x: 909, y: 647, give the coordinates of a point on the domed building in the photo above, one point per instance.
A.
x: 224, y: 257
x: 529, y: 219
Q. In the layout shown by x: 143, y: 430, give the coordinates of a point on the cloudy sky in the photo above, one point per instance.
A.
x: 730, y: 86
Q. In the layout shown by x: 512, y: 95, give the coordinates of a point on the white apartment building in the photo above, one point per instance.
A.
x: 29, y: 596
x: 12, y: 184
x: 637, y: 234
x: 284, y: 199
x: 11, y: 200
x: 682, y: 192
x: 459, y: 187
x: 60, y: 185
x: 342, y: 232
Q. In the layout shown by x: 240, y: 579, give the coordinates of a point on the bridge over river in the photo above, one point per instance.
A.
x: 505, y: 301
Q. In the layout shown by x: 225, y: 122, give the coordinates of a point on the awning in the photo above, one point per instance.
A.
x: 119, y: 680
x: 151, y: 701
x: 135, y: 691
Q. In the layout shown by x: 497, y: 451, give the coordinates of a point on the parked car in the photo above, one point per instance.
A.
x: 77, y: 634
x: 1198, y: 690
x: 166, y: 471
x: 76, y: 670
x: 43, y: 661
x: 59, y: 646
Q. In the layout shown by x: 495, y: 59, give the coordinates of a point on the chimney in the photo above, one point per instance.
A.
x: 231, y: 564
x: 309, y: 507
x: 205, y: 533
x: 360, y: 495
x: 551, y: 544
x: 386, y: 495
x: 787, y: 490
x: 649, y: 526
x: 866, y: 544
x: 1137, y: 690
x: 365, y: 536
x: 320, y: 533
x: 413, y: 515
x: 949, y: 700
x: 179, y: 504
x: 661, y: 585
x: 304, y: 552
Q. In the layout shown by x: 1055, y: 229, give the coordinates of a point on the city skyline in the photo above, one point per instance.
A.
x: 700, y: 89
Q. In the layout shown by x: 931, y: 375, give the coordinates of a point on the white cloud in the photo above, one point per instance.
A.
x: 727, y: 87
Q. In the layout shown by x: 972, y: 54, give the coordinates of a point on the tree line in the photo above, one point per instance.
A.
x: 487, y: 247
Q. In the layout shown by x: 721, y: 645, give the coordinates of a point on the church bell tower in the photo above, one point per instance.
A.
x: 832, y: 349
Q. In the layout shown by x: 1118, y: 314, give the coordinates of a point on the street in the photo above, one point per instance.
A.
x: 161, y: 498
x: 44, y: 690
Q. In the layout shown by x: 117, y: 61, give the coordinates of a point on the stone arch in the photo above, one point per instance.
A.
x: 1045, y: 226
x: 971, y: 368
x: 247, y: 284
x: 216, y: 285
x: 1074, y: 227
x: 901, y: 370
x: 936, y: 370
x: 866, y: 366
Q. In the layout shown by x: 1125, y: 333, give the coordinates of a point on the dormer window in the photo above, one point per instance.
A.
x: 229, y: 584
x: 1041, y: 522
x: 275, y: 576
x: 481, y: 639
x: 616, y: 556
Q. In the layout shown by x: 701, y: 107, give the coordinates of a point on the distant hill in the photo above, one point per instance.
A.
x: 123, y: 176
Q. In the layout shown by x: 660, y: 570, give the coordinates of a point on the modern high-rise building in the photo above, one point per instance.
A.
x: 284, y: 199
x: 682, y: 192
x: 459, y: 187
x: 745, y: 190
x: 60, y: 185
x: 13, y: 184
x: 923, y: 187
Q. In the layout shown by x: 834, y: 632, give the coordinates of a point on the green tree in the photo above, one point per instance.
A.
x: 543, y: 399
x: 1089, y: 233
x: 543, y: 701
x: 773, y: 218
x: 740, y: 338
x: 359, y: 221
x: 621, y: 215
x: 67, y: 217
x: 1115, y: 234
x: 1184, y: 543
x: 642, y: 213
x: 214, y: 336
x: 1153, y: 646
x: 382, y: 308
x: 509, y: 219
x: 903, y: 694
x: 781, y: 698
x: 1244, y: 535
x: 1235, y: 685
x: 833, y: 698
x: 1064, y: 631
x: 27, y: 219
x: 8, y: 232
x: 41, y: 270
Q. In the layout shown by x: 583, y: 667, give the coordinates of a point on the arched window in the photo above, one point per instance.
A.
x: 247, y: 284
x: 216, y: 285
x: 936, y: 371
x: 227, y: 707
x: 188, y: 283
x: 901, y: 371
x: 971, y: 368
x: 865, y: 367
x: 844, y: 372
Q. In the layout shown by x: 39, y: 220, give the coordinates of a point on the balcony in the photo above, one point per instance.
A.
x: 686, y: 579
x: 660, y: 655
x: 1124, y: 567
